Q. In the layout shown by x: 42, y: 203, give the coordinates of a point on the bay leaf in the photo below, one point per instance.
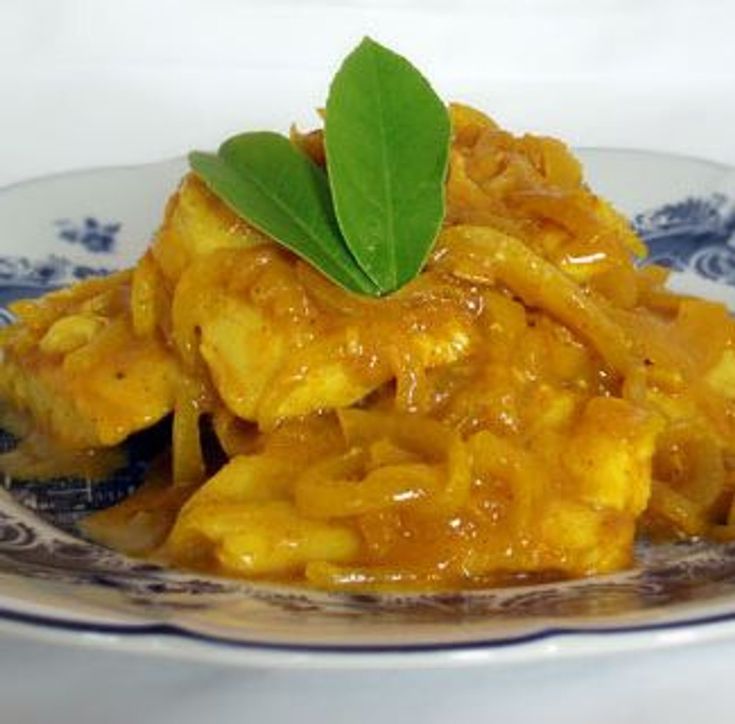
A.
x: 387, y: 144
x: 264, y: 179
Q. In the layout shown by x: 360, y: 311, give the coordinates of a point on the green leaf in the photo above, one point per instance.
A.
x: 387, y: 141
x: 264, y: 179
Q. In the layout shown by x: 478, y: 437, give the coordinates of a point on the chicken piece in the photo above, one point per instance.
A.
x: 585, y: 540
x: 196, y: 223
x: 269, y: 364
x: 73, y: 363
x: 241, y: 519
x: 267, y: 538
x: 609, y: 455
x: 721, y: 377
x: 589, y: 524
x: 275, y: 351
x: 262, y: 377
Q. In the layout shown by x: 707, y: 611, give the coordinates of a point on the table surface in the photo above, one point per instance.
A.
x: 88, y: 83
x: 45, y: 683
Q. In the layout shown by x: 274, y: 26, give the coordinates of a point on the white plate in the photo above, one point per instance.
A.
x: 52, y: 584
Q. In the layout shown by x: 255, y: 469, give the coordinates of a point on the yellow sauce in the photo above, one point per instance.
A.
x: 527, y: 406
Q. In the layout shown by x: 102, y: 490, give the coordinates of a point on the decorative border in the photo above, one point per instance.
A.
x: 695, y: 235
x: 661, y: 581
x: 42, y: 274
x: 177, y: 632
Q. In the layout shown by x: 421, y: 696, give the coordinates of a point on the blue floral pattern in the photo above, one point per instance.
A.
x: 22, y: 278
x: 696, y: 235
x: 94, y: 235
x: 39, y: 275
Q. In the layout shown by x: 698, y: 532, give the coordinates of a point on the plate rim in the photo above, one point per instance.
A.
x: 170, y: 160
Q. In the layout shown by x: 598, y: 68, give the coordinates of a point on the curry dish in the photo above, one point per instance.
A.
x: 529, y: 406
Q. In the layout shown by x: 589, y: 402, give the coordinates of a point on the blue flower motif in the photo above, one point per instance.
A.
x: 695, y: 234
x: 93, y: 235
x: 23, y: 278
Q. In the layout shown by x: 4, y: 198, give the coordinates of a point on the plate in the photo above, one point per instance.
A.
x: 53, y: 584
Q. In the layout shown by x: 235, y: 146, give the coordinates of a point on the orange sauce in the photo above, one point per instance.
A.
x: 527, y: 406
